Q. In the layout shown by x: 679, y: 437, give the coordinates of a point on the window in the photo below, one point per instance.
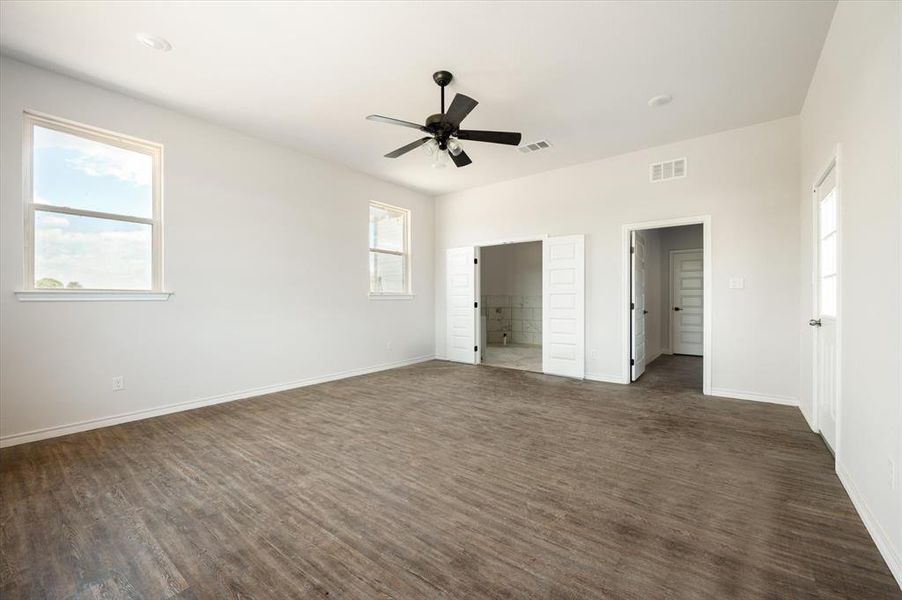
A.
x: 93, y: 214
x: 389, y: 250
x: 827, y: 252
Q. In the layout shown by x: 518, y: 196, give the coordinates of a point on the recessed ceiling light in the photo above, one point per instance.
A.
x: 154, y: 41
x: 660, y: 100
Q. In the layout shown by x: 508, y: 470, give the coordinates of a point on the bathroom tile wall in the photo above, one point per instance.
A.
x: 519, y: 318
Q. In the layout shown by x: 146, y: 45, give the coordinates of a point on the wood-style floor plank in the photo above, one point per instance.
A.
x: 442, y: 481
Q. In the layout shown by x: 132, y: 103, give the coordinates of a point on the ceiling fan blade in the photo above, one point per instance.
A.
x: 407, y: 148
x: 460, y: 108
x: 461, y: 160
x: 493, y: 137
x: 391, y: 121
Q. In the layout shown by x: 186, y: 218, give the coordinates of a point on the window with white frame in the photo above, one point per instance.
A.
x: 827, y: 250
x: 389, y: 250
x: 93, y: 209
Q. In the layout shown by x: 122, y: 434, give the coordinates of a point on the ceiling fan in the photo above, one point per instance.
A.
x: 444, y: 129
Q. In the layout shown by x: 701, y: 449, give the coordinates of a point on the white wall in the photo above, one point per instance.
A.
x: 854, y: 99
x: 266, y: 252
x: 512, y: 269
x: 746, y: 179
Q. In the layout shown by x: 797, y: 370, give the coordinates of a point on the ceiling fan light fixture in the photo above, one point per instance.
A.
x: 430, y: 147
x: 454, y: 147
x: 441, y: 160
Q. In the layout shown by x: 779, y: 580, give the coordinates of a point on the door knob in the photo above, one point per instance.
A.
x: 644, y: 312
x: 677, y: 308
x: 814, y: 322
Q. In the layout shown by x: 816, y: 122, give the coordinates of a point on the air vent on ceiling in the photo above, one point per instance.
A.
x: 671, y: 169
x: 534, y: 147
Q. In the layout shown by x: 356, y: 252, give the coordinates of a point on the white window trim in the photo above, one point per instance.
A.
x: 29, y: 292
x: 408, y: 262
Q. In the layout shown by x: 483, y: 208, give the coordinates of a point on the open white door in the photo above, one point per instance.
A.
x: 637, y: 305
x: 826, y: 278
x: 460, y: 304
x: 564, y: 306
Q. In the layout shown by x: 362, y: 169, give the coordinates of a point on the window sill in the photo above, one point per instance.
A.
x: 90, y: 296
x: 391, y: 296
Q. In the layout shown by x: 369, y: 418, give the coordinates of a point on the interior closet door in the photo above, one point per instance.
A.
x: 564, y: 306
x: 460, y: 305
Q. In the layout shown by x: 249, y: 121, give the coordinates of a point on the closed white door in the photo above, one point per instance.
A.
x: 826, y: 279
x: 460, y: 305
x: 637, y: 304
x: 687, y: 299
x: 564, y: 306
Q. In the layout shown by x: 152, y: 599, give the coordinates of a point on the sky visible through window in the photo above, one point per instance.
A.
x: 80, y: 251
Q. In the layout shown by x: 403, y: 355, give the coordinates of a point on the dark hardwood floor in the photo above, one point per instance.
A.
x: 442, y: 481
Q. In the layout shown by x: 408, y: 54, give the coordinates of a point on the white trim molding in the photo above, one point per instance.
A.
x: 753, y: 396
x: 606, y: 378
x: 90, y: 296
x: 881, y: 539
x: 60, y: 430
x: 391, y: 296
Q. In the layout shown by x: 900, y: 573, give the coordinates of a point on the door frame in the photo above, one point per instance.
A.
x: 670, y: 295
x: 834, y: 162
x: 708, y: 309
x: 477, y: 248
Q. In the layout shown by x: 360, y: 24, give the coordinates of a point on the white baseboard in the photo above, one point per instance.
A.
x: 606, y: 378
x: 59, y: 430
x: 808, y: 419
x: 738, y: 395
x: 881, y: 539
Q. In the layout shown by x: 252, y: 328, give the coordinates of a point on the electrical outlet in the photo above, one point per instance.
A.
x: 388, y: 345
x: 892, y: 474
x: 118, y: 383
x: 593, y: 353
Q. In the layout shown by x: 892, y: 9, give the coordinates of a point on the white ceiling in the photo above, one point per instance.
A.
x: 578, y: 74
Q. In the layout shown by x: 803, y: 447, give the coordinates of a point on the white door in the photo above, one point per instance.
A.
x: 460, y: 305
x: 826, y: 279
x: 687, y: 295
x: 564, y: 306
x: 637, y: 304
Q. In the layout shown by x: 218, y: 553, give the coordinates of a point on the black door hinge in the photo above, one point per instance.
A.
x: 632, y: 362
x: 632, y: 306
x: 475, y: 261
x: 476, y: 305
x: 475, y: 348
x: 632, y: 249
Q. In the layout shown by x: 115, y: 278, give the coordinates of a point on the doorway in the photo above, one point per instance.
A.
x: 667, y: 300
x: 511, y: 306
x: 562, y: 330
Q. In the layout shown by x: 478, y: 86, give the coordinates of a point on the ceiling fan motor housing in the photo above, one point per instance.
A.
x: 440, y: 128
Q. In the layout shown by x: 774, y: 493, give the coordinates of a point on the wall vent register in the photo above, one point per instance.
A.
x: 671, y: 169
